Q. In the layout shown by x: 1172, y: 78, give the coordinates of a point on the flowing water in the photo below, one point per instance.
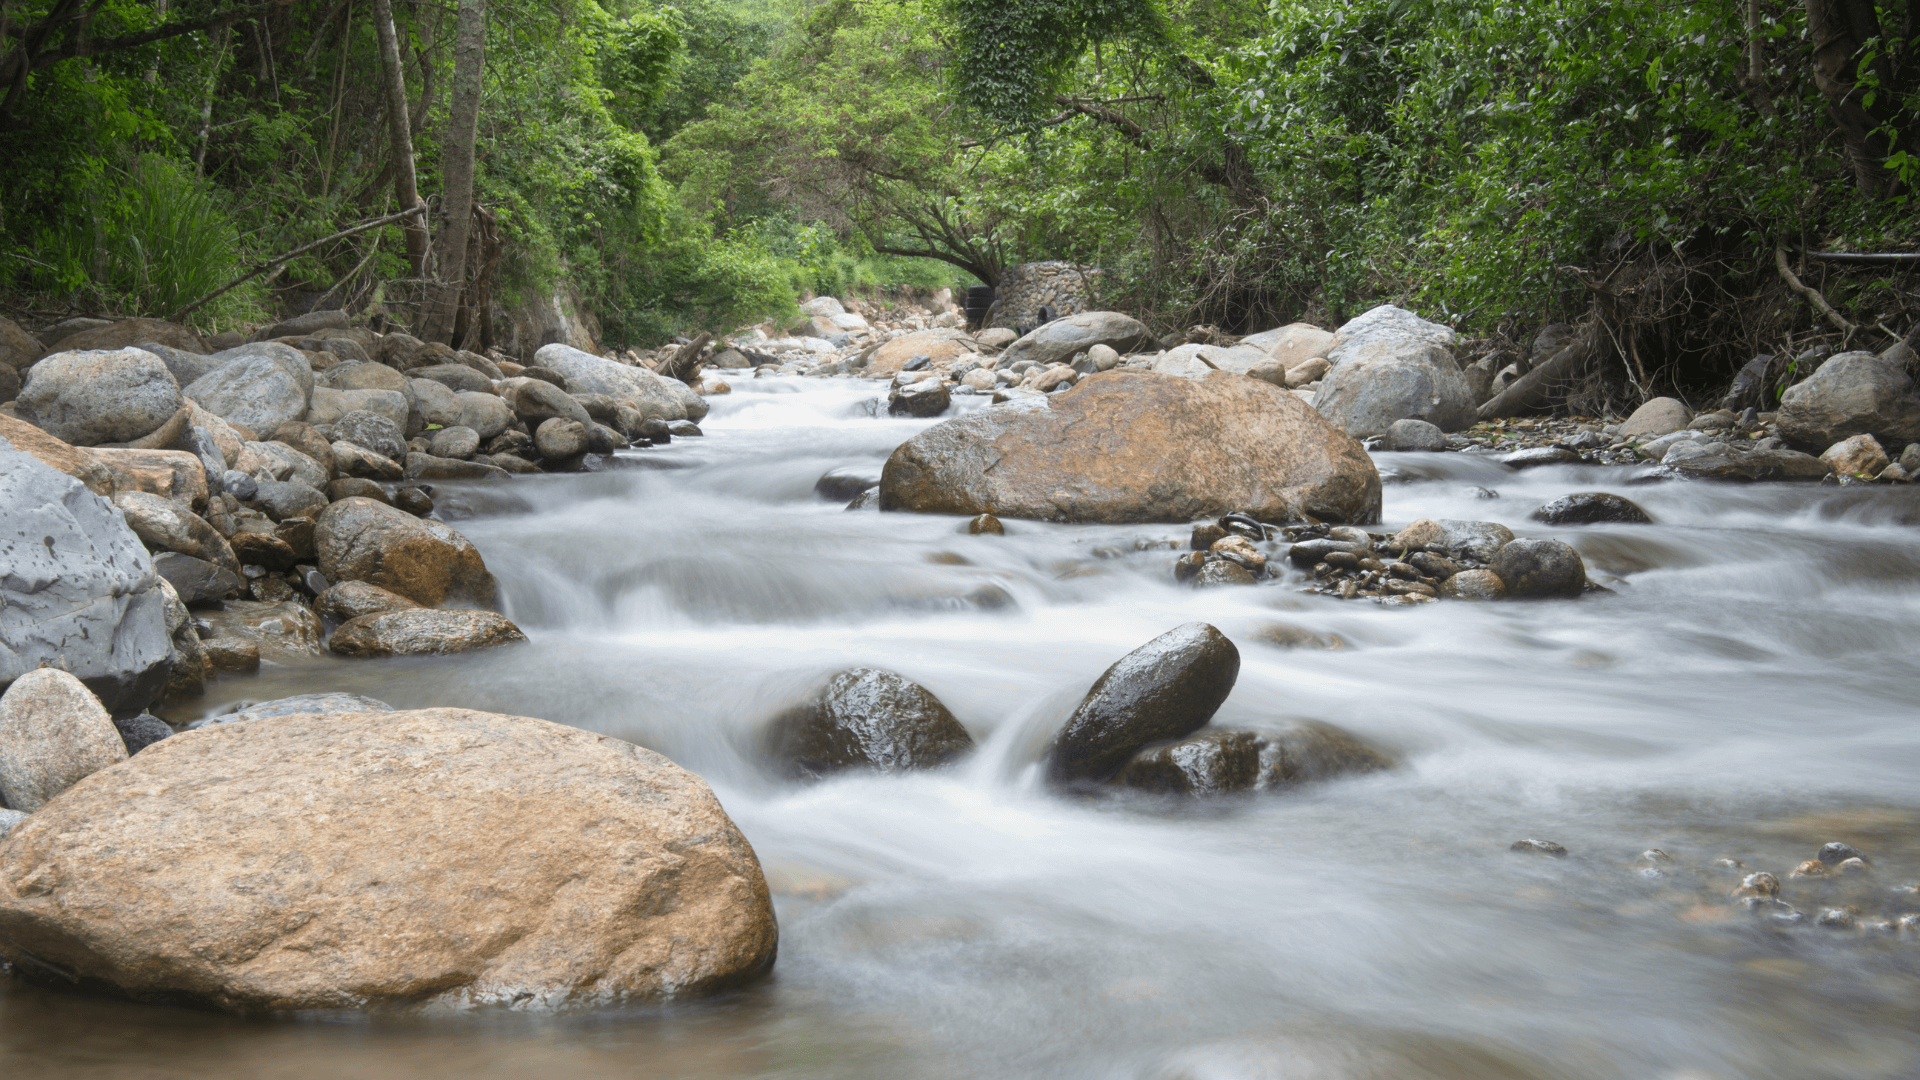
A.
x: 1746, y: 692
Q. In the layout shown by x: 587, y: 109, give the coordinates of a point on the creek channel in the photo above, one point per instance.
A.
x: 1747, y: 691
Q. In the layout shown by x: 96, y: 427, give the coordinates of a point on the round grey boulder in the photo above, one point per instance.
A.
x: 90, y: 398
x: 1407, y: 436
x: 372, y: 431
x: 558, y: 438
x: 1534, y: 569
x: 864, y: 718
x: 486, y: 414
x: 455, y: 442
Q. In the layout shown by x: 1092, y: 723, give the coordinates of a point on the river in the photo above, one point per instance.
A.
x: 1747, y: 692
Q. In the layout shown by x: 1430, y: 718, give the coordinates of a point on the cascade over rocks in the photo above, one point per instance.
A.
x: 518, y: 862
x: 866, y: 719
x: 1128, y: 446
x: 79, y: 591
x: 1165, y: 689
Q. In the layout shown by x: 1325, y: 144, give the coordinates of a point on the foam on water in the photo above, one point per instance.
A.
x: 1747, y: 691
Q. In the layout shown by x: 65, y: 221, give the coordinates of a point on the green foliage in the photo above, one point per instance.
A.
x: 1013, y: 56
x: 155, y: 239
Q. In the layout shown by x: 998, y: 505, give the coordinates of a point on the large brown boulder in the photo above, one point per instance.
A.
x: 1128, y: 446
x: 18, y: 349
x: 513, y: 861
x: 359, y: 539
x: 940, y: 345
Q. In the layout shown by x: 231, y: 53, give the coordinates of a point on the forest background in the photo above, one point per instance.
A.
x: 699, y: 163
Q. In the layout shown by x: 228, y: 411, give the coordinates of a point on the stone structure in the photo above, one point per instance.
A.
x: 1024, y: 289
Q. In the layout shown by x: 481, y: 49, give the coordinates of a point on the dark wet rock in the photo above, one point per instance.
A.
x: 356, y: 460
x: 1307, y: 751
x: 142, y: 731
x: 1218, y: 572
x: 928, y: 397
x: 1752, y: 465
x: 352, y: 599
x: 261, y: 547
x: 1128, y: 446
x: 839, y: 485
x: 1411, y: 436
x: 423, y: 632
x: 1204, y: 534
x: 866, y: 500
x: 685, y: 429
x: 197, y: 581
x: 1474, y: 585
x: 1540, y: 568
x: 1836, y: 852
x: 1541, y: 455
x: 1438, y: 567
x: 1592, y: 508
x: 425, y: 561
x: 866, y: 719
x: 986, y: 525
x: 1538, y: 847
x: 414, y: 500
x: 1166, y: 689
x: 1308, y: 553
x: 1212, y: 761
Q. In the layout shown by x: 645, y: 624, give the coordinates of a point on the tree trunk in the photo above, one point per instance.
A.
x: 456, y: 172
x: 1839, y: 28
x: 406, y: 187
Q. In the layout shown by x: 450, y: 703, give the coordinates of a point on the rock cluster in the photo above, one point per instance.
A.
x: 1426, y: 561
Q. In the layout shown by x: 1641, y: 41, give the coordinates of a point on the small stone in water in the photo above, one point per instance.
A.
x: 1204, y: 534
x: 1240, y: 550
x: 1729, y: 866
x: 986, y: 525
x: 1760, y: 884
x: 1837, y: 852
x: 1656, y: 857
x: 1222, y: 572
x: 1808, y: 869
x: 1840, y: 918
x: 1538, y: 847
x: 1187, y: 566
x: 1909, y: 923
x: 1855, y: 865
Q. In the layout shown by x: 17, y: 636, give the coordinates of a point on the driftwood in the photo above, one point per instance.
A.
x: 684, y: 364
x: 1812, y: 294
x: 1543, y: 387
